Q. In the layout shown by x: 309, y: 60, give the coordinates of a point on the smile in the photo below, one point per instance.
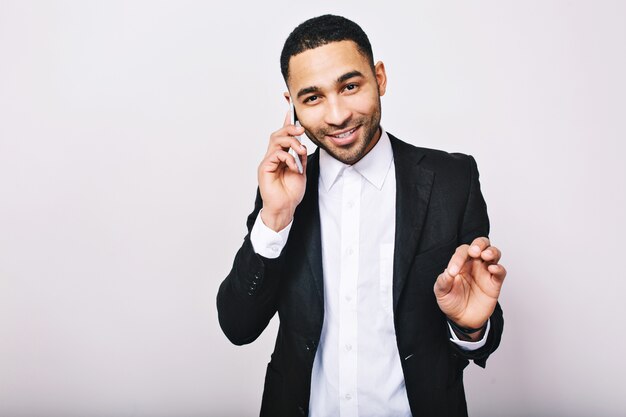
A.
x: 345, y: 134
x: 344, y: 138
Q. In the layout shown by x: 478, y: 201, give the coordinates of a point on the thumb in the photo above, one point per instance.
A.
x: 443, y: 284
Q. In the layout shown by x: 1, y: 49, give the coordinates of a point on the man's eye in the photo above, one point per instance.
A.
x: 310, y: 99
x: 351, y: 87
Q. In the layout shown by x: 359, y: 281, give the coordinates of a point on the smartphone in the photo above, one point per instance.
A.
x: 295, y: 122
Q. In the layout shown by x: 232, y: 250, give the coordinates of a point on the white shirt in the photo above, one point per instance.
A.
x: 357, y: 369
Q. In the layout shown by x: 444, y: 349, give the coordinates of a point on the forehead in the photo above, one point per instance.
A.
x: 323, y: 65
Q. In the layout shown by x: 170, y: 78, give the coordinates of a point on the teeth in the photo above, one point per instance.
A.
x: 343, y: 135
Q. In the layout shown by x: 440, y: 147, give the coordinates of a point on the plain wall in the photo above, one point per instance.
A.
x: 130, y: 134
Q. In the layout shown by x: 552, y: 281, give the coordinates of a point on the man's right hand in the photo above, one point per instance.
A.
x: 281, y: 185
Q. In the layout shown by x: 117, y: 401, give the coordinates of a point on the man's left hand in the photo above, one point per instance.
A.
x: 467, y: 291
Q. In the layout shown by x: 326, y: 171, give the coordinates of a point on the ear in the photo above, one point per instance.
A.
x: 381, y: 77
x: 287, y: 97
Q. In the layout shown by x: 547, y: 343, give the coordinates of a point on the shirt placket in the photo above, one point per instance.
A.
x: 349, y: 271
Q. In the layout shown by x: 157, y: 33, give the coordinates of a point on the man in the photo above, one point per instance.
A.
x: 375, y: 257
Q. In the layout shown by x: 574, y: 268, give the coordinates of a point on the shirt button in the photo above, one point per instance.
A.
x: 348, y: 298
x: 348, y: 397
x: 274, y: 248
x: 349, y: 251
x: 348, y: 347
x: 350, y: 204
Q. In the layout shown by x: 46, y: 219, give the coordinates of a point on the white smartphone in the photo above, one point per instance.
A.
x: 295, y: 122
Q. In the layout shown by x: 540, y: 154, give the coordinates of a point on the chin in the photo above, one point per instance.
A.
x: 349, y: 155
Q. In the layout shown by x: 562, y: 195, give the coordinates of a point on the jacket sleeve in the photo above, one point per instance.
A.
x: 247, y: 298
x: 475, y: 224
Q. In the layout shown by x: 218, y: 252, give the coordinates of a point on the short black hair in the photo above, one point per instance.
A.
x: 319, y: 31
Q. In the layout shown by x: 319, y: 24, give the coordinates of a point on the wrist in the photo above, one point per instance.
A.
x: 468, y: 334
x: 276, y: 220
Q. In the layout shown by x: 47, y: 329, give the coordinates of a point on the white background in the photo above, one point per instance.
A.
x: 130, y: 133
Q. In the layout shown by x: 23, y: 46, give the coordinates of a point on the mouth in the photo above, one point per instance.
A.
x: 344, y: 138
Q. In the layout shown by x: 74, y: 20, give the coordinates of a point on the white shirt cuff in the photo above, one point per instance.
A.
x: 267, y: 242
x: 470, y: 345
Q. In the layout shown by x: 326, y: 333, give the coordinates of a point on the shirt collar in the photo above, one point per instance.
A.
x: 373, y: 167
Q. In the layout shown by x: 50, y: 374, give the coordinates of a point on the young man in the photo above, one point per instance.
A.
x: 375, y: 257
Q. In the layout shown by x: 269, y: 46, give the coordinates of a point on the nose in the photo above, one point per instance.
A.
x: 337, y: 113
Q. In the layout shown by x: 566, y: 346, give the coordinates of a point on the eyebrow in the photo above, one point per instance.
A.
x: 307, y: 90
x: 341, y: 79
x: 349, y: 75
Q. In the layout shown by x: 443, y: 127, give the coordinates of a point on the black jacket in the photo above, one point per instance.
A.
x: 438, y: 207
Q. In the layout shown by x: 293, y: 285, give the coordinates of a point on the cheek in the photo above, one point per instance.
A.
x: 312, y: 118
x: 365, y: 105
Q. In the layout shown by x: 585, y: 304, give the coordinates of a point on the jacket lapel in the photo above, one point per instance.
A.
x: 413, y: 187
x: 311, y: 231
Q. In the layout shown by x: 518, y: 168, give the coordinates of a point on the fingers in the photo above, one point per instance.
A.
x: 291, y: 128
x: 303, y: 159
x: 278, y: 151
x: 285, y: 138
x: 443, y: 284
x: 480, y: 248
x: 491, y: 255
x: 287, y: 121
x: 458, y: 259
x: 478, y: 245
x: 470, y: 286
x: 282, y: 141
x: 273, y: 161
x: 497, y: 271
